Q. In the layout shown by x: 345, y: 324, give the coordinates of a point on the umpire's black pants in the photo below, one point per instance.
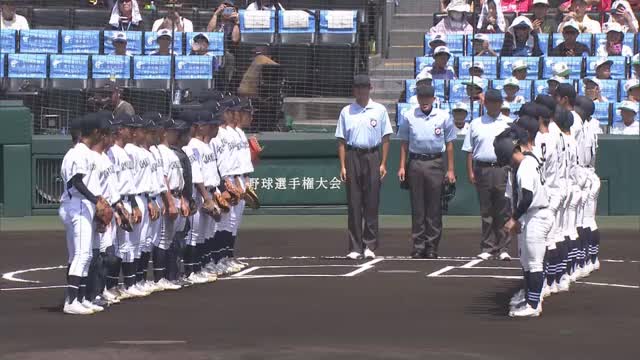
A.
x: 363, y: 197
x: 491, y: 182
x: 425, y: 189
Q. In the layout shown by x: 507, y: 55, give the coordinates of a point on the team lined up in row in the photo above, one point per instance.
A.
x: 553, y: 188
x: 177, y: 187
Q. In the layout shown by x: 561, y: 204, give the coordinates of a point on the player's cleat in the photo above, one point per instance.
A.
x: 354, y: 255
x: 369, y: 254
x: 588, y: 268
x: 141, y: 288
x: 89, y: 305
x: 504, y: 256
x: 546, y: 291
x: 134, y: 292
x: 182, y: 282
x: 211, y: 277
x: 76, y: 308
x: 576, y: 274
x: 484, y: 256
x: 526, y: 311
x: 242, y: 263
x: 122, y: 293
x: 111, y: 296
x: 553, y: 288
x: 167, y: 285
x: 564, y: 284
x: 219, y: 269
x: 596, y: 265
x: 517, y: 298
x: 196, y: 279
x: 238, y: 264
x: 100, y: 301
x: 147, y: 287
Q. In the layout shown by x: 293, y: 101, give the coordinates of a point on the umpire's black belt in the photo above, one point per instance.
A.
x: 484, y: 164
x: 363, y: 150
x: 424, y: 157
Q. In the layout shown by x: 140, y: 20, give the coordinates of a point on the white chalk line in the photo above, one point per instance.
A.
x: 147, y: 342
x: 364, y: 267
x: 471, y: 264
x: 441, y: 271
x: 11, y: 276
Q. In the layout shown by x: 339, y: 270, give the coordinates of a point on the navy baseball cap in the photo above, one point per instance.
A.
x: 106, y: 117
x: 566, y: 90
x: 203, y: 117
x: 504, y: 145
x: 188, y: 116
x: 211, y: 95
x: 135, y: 122
x: 547, y: 101
x: 75, y: 124
x: 530, y: 124
x: 586, y: 104
x: 493, y: 95
x: 564, y: 119
x: 529, y: 109
x: 229, y: 103
x: 152, y: 120
x: 245, y: 105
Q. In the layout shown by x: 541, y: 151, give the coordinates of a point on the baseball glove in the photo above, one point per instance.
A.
x: 125, y: 219
x: 192, y: 207
x: 211, y: 208
x: 236, y: 194
x: 251, y: 198
x: 448, y: 193
x: 104, y: 215
x: 255, y: 149
x: 222, y: 202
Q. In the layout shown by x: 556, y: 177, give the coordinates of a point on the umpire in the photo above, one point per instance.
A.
x: 426, y: 133
x: 488, y: 177
x: 363, y: 126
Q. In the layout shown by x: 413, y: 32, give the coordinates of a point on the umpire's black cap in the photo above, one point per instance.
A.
x: 426, y: 91
x: 361, y: 80
x: 493, y: 95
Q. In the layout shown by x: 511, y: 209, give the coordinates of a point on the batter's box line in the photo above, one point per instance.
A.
x: 360, y: 268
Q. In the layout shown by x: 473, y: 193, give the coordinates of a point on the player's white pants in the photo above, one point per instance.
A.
x: 77, y: 216
x: 575, y: 201
x: 169, y: 227
x: 197, y: 220
x: 591, y: 202
x: 123, y: 244
x: 139, y: 233
x: 103, y: 240
x: 532, y: 240
x: 239, y: 211
x: 153, y: 232
x: 556, y: 207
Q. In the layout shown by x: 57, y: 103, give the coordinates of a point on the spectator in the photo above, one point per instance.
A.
x: 553, y: 83
x: 125, y: 16
x: 592, y: 5
x: 482, y: 46
x: 491, y: 18
x: 632, y: 87
x: 542, y: 24
x: 164, y: 40
x: 520, y: 40
x: 570, y: 46
x: 440, y: 70
x: 173, y: 19
x: 603, y: 68
x: 505, y: 109
x: 455, y: 22
x: 592, y: 89
x: 511, y: 87
x: 119, y: 41
x: 517, y: 6
x: 11, y: 20
x: 460, y: 111
x: 635, y: 64
x: 200, y: 45
x: 226, y: 20
x: 119, y: 106
x: 265, y: 5
x: 435, y: 41
x: 445, y: 3
x: 560, y: 69
x: 250, y: 80
x: 578, y: 14
x: 614, y: 44
x: 622, y: 14
x: 475, y: 89
x: 476, y: 69
x: 628, y: 125
x: 520, y: 70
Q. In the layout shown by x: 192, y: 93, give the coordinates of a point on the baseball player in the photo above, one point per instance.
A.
x: 199, y: 220
x: 78, y: 203
x: 531, y: 218
x: 174, y: 203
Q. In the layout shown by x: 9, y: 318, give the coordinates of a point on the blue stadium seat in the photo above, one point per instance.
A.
x: 80, y: 41
x: 336, y: 52
x: 619, y: 68
x: 422, y: 62
x: 68, y: 71
x: 616, y: 117
x: 495, y: 40
x: 294, y: 49
x: 540, y: 88
x: 490, y: 64
x: 455, y: 43
x: 107, y: 68
x: 150, y: 43
x: 602, y: 112
x: 533, y: 62
x: 575, y: 64
x: 584, y: 38
x: 601, y: 39
x: 39, y: 41
x: 134, y: 42
x: 194, y: 72
x: 152, y: 71
x: 525, y: 87
x: 22, y: 68
x: 438, y: 85
x: 8, y: 41
x: 458, y: 91
x: 610, y: 89
x: 216, y: 42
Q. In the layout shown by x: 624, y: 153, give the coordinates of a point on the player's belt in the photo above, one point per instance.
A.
x: 363, y: 150
x: 424, y: 157
x: 485, y: 164
x: 176, y: 193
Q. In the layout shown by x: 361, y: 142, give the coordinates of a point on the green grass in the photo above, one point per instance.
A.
x: 288, y: 222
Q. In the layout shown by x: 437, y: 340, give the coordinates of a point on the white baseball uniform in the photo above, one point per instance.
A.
x: 589, y: 149
x: 211, y: 179
x: 124, y: 172
x: 158, y: 185
x: 172, y: 176
x: 76, y: 211
x: 547, y: 144
x: 141, y: 185
x: 108, y: 190
x: 225, y: 144
x: 245, y: 167
x: 574, y: 192
x: 192, y: 238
